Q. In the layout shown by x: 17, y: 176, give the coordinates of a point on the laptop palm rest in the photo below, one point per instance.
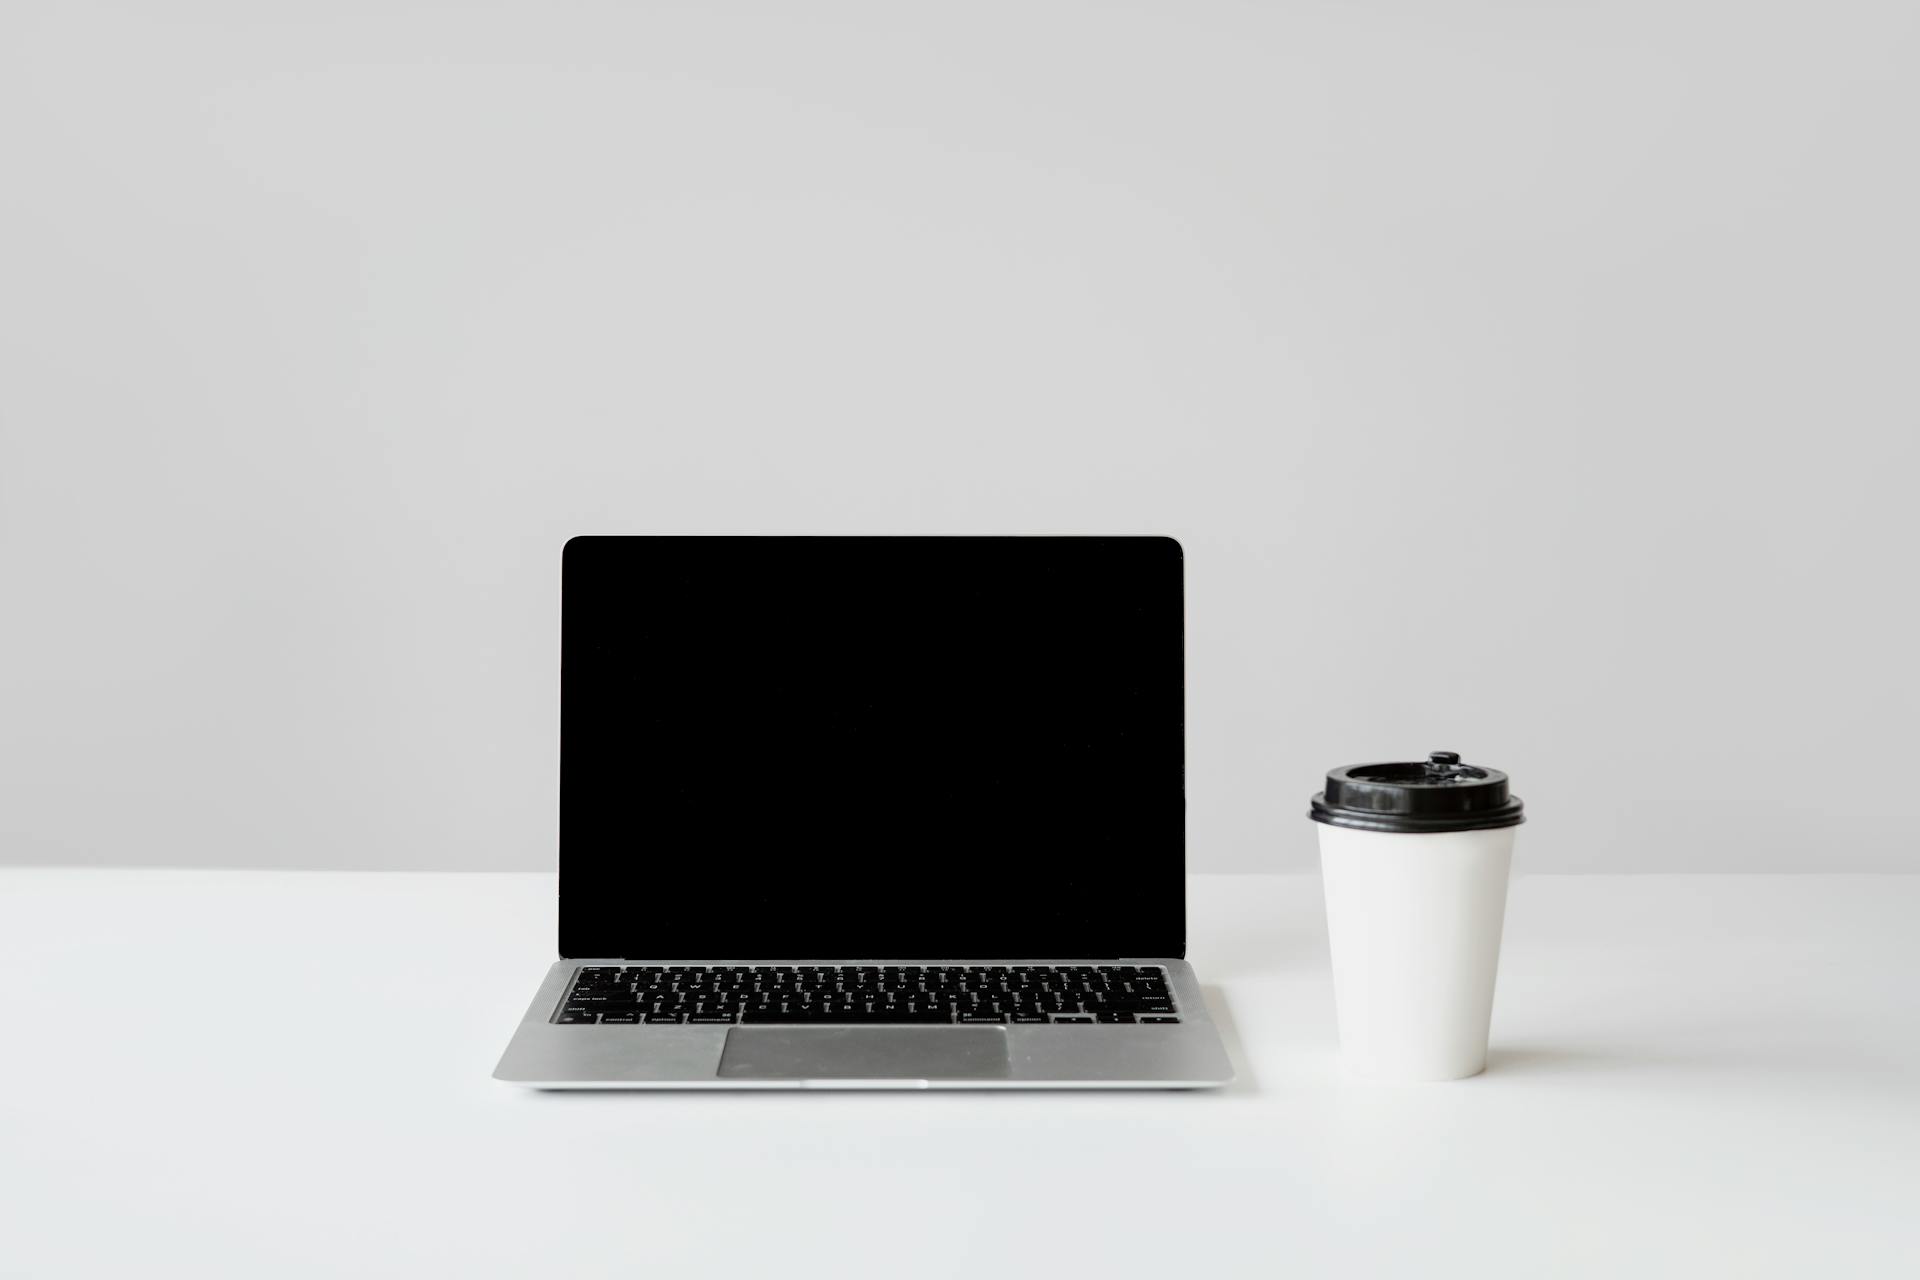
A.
x: 865, y: 1053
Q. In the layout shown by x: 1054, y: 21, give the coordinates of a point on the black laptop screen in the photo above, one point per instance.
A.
x: 888, y: 748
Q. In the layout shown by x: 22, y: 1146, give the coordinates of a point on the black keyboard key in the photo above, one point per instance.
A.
x: 982, y: 1017
x: 1071, y: 1017
x: 1157, y: 1017
x: 1114, y: 1017
x: 1028, y: 1017
x: 579, y: 1017
x: 629, y: 1016
x: 709, y: 1017
x: 663, y: 1017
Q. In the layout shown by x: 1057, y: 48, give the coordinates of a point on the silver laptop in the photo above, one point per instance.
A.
x: 870, y: 813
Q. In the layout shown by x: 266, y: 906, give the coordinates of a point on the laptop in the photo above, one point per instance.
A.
x: 870, y: 813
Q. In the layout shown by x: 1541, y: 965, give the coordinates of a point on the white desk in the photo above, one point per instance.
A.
x: 270, y: 1075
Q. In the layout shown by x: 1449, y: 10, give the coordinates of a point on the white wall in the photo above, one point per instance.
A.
x: 1531, y: 380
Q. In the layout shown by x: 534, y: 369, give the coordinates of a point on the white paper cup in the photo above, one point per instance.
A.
x: 1414, y: 921
x: 1414, y: 916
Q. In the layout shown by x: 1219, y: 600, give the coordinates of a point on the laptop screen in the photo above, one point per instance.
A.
x: 871, y: 748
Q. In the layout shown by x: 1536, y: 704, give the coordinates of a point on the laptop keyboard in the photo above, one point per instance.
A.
x: 721, y: 994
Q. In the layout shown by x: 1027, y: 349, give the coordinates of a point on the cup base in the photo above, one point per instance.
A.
x: 1377, y: 1074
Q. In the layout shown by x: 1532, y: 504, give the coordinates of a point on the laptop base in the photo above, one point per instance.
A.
x: 545, y: 1054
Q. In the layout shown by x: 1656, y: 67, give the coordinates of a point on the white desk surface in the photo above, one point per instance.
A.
x: 285, y: 1074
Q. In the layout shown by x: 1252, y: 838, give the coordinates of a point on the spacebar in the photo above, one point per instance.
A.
x: 866, y: 1019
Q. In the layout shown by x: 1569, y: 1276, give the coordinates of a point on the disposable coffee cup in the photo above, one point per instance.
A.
x: 1414, y: 857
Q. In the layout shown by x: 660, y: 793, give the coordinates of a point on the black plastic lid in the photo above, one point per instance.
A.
x: 1440, y: 794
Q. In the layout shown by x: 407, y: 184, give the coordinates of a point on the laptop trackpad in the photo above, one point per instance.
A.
x: 865, y: 1053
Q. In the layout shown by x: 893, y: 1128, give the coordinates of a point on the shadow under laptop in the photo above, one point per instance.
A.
x: 1244, y: 1081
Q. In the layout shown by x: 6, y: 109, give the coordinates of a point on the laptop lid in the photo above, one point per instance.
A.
x: 889, y: 748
